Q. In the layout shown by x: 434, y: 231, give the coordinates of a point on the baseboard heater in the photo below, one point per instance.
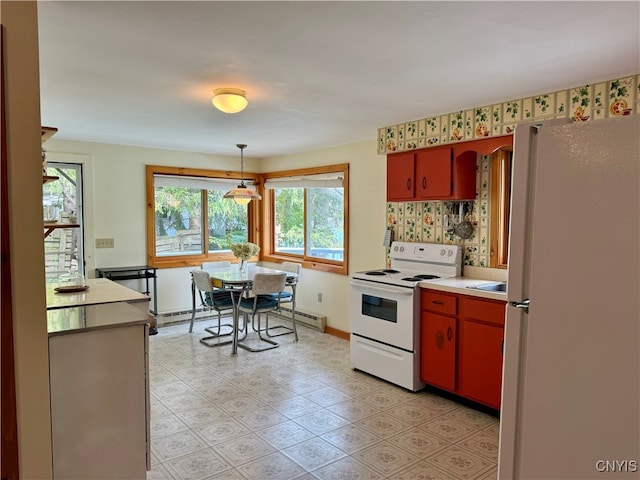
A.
x: 303, y: 317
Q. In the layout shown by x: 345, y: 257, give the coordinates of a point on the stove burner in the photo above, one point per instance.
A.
x: 412, y: 279
x: 391, y: 271
x: 427, y: 277
x: 375, y: 272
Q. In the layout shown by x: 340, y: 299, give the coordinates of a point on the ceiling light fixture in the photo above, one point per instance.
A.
x: 229, y: 100
x: 241, y: 194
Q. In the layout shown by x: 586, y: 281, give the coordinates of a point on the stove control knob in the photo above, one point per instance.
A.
x: 443, y: 252
x: 402, y: 249
x: 395, y: 248
x: 450, y: 253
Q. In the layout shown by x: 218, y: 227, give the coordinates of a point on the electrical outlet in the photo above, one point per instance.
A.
x: 319, y: 297
x: 104, y: 243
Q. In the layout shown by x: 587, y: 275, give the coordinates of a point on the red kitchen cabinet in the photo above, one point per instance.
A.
x: 446, y: 172
x: 481, y: 362
x: 433, y: 174
x: 438, y: 339
x: 400, y: 176
x: 481, y: 349
x: 438, y: 343
x: 461, y: 345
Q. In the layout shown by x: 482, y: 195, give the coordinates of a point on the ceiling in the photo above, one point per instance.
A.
x: 317, y: 74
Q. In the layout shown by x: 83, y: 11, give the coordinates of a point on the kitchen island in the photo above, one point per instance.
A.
x: 98, y: 364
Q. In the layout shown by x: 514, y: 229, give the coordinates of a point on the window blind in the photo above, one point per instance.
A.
x: 320, y: 180
x: 202, y: 183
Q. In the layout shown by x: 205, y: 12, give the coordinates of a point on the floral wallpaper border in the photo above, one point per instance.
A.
x: 424, y: 221
x: 582, y: 104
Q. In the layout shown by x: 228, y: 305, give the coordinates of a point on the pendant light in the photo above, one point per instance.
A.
x: 241, y: 194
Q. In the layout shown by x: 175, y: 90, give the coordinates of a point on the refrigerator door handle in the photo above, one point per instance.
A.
x: 523, y: 305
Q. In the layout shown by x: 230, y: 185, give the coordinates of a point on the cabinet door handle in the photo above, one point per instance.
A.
x: 436, y: 302
x: 502, y: 347
x: 408, y: 184
x: 449, y: 333
x: 424, y: 182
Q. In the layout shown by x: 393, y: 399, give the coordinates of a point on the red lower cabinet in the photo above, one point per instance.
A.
x: 461, y: 345
x: 438, y: 359
x: 481, y: 362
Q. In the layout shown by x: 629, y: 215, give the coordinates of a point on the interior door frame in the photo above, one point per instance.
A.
x: 9, y: 434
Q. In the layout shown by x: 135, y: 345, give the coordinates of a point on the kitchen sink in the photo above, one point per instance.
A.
x: 491, y: 287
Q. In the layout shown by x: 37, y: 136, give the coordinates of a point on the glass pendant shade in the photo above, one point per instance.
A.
x: 229, y: 100
x: 241, y: 194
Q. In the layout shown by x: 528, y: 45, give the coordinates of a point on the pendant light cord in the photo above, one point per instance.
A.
x: 241, y: 146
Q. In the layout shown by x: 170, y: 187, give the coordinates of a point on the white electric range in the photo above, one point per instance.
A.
x: 384, y: 310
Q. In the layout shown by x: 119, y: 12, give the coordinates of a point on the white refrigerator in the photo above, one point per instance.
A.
x: 570, y: 393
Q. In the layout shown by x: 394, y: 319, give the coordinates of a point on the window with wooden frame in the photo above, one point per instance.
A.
x: 188, y: 221
x: 500, y: 203
x: 306, y: 217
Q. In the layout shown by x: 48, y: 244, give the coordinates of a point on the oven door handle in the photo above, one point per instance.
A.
x: 372, y: 286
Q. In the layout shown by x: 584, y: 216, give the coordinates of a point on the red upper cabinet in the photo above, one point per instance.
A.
x: 400, y: 176
x: 446, y: 172
x: 484, y: 146
x: 433, y: 173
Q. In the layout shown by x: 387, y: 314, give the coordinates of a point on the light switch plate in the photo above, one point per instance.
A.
x: 105, y: 243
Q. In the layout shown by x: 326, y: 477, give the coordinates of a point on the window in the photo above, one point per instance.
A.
x: 188, y: 221
x: 62, y: 202
x: 501, y: 162
x: 307, y: 217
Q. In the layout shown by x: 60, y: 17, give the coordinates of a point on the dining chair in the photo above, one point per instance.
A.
x: 212, y: 267
x: 266, y: 291
x: 287, y: 297
x: 210, y: 299
x: 221, y: 265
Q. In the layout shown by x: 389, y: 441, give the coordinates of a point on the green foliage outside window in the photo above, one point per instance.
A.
x: 325, y: 221
x: 179, y: 221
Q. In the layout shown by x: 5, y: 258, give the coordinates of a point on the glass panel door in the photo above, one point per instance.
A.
x: 62, y: 204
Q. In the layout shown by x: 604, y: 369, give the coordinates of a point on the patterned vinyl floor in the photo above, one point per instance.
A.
x: 300, y: 412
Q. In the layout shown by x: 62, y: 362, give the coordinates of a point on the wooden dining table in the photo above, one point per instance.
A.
x: 238, y: 283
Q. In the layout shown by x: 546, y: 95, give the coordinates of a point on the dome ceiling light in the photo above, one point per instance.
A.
x: 229, y: 100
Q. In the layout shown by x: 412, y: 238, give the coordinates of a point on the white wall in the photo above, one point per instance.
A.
x: 367, y: 203
x: 115, y: 208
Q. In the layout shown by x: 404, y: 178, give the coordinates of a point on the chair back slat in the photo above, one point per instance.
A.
x: 265, y: 283
x: 221, y: 265
x: 292, y: 267
x: 202, y: 280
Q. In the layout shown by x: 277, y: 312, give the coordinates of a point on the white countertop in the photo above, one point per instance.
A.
x: 79, y: 319
x: 459, y: 285
x: 101, y: 290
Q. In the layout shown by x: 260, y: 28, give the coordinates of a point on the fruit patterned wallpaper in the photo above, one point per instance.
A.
x: 425, y: 221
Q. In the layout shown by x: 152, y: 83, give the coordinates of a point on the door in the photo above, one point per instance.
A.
x: 481, y: 362
x: 571, y: 368
x: 400, y: 173
x: 62, y: 201
x: 438, y: 351
x: 433, y: 173
x: 385, y: 313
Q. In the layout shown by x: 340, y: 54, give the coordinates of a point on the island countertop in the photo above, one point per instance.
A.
x: 61, y: 321
x: 101, y: 290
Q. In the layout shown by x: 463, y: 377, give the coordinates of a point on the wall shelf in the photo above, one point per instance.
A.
x: 49, y: 178
x: 50, y: 227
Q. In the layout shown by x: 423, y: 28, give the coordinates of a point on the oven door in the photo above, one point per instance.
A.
x: 385, y: 313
